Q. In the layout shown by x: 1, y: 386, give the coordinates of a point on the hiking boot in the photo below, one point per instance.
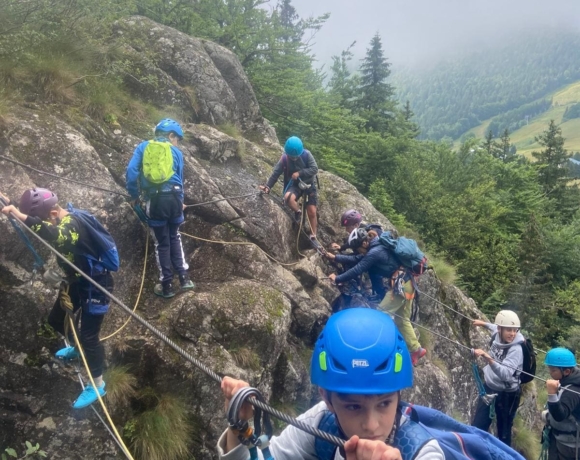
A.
x: 298, y: 216
x: 67, y: 353
x: 417, y: 355
x: 186, y: 283
x: 164, y: 289
x: 89, y: 396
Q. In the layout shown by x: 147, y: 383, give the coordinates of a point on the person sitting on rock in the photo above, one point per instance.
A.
x: 350, y: 220
x: 156, y: 172
x: 40, y: 211
x: 361, y: 403
x: 501, y: 378
x: 299, y: 168
x: 382, y: 264
x: 563, y: 414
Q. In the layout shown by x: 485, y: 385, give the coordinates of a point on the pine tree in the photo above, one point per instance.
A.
x: 488, y: 144
x: 552, y: 161
x: 376, y: 102
x: 343, y: 85
x: 407, y: 112
x: 530, y: 294
x: 289, y: 20
x: 505, y: 148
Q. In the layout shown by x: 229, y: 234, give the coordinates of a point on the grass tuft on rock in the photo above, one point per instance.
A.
x: 161, y: 433
x: 525, y: 441
x: 444, y: 270
x: 121, y: 386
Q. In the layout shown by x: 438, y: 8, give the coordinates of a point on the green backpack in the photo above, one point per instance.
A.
x: 158, y: 162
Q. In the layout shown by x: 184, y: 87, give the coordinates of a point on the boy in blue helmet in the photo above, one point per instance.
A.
x: 360, y: 364
x: 299, y: 168
x: 156, y: 173
x: 563, y: 414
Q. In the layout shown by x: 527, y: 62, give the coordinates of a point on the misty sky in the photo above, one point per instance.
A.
x: 416, y: 30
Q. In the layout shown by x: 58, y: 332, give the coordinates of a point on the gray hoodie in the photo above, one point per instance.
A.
x: 500, y: 377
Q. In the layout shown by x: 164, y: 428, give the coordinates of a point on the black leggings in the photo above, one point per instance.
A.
x: 506, y: 407
x: 89, y: 330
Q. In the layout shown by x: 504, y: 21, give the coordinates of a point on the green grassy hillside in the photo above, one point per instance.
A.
x: 524, y: 138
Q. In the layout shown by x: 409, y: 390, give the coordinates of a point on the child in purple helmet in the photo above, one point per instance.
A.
x: 164, y: 204
x: 40, y: 211
x: 350, y: 220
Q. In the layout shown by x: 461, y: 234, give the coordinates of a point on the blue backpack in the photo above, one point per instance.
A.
x: 407, y: 251
x: 458, y: 441
x: 99, y: 248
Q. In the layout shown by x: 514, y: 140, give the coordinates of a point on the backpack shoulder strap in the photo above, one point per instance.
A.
x: 412, y: 435
x: 493, y: 336
x: 284, y: 160
x: 410, y: 439
x: 324, y: 449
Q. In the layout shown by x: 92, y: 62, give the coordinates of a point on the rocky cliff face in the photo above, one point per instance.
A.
x: 249, y: 317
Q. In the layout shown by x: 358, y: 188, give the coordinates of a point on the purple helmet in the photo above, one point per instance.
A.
x: 350, y: 217
x: 38, y: 202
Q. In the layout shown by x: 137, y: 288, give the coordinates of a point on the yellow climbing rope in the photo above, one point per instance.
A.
x: 239, y: 243
x: 80, y: 349
x: 300, y: 230
x: 138, y: 295
x: 66, y: 302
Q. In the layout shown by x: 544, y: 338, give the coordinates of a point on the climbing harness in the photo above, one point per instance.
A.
x: 303, y: 185
x: 187, y: 356
x: 248, y: 436
x: 544, y: 454
x: 488, y: 399
x: 314, y: 243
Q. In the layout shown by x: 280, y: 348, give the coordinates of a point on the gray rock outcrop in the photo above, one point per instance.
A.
x: 258, y: 306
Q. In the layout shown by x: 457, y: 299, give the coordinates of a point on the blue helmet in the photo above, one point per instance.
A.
x: 167, y: 125
x: 361, y: 351
x: 560, y: 357
x: 294, y: 147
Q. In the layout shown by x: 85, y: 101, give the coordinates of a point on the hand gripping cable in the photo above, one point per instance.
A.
x: 251, y: 437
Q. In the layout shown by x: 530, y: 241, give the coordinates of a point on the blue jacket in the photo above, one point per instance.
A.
x: 137, y: 183
x: 377, y: 261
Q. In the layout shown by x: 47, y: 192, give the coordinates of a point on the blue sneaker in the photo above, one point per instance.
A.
x: 67, y: 353
x: 88, y: 396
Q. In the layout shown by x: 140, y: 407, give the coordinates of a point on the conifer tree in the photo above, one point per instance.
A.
x: 505, y: 148
x: 407, y: 112
x: 376, y: 103
x: 343, y: 85
x: 488, y: 143
x: 552, y: 161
